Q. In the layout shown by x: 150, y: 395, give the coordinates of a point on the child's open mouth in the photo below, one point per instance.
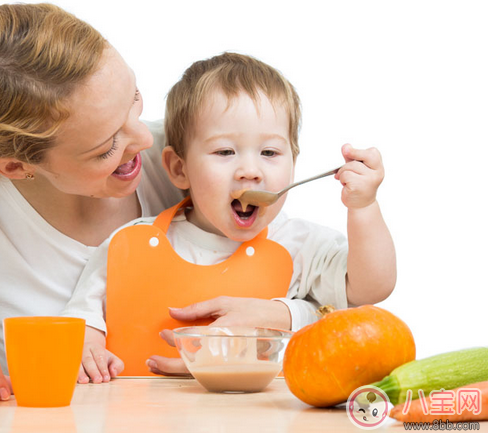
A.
x: 243, y: 218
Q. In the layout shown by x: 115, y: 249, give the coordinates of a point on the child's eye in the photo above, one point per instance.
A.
x: 111, y: 151
x: 225, y: 152
x: 268, y: 152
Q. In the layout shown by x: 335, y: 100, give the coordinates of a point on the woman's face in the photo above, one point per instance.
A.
x: 97, y: 149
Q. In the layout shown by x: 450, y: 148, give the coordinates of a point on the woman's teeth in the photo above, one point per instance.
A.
x: 126, y: 168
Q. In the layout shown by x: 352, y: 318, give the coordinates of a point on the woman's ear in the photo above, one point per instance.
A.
x: 15, y: 169
x: 176, y: 168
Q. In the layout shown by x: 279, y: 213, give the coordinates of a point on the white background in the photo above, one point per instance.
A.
x: 410, y: 78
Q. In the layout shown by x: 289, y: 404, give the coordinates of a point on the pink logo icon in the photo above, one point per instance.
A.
x: 367, y: 407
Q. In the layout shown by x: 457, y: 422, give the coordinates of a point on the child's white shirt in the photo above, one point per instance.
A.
x: 319, y: 266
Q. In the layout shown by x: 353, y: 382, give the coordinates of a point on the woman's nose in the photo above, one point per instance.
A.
x: 140, y: 138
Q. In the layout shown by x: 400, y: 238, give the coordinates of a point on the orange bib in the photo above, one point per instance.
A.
x: 145, y: 276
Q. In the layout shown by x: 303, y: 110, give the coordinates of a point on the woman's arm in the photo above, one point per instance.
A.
x: 227, y: 311
x: 5, y: 387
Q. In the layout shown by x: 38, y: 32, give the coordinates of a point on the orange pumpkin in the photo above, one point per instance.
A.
x: 327, y: 360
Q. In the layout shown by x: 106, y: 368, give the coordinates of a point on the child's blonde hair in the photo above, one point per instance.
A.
x: 45, y: 52
x: 231, y: 73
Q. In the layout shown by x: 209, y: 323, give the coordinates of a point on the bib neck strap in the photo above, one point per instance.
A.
x: 163, y: 220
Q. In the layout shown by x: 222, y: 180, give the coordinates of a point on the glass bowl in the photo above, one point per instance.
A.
x: 233, y: 358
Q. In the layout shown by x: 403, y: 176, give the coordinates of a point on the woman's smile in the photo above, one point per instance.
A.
x: 129, y: 170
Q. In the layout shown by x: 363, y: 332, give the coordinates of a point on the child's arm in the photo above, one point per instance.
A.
x: 87, y: 302
x: 5, y: 387
x: 371, y: 262
x: 97, y: 364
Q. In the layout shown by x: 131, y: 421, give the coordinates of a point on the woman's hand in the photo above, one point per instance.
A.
x: 230, y: 311
x: 5, y: 387
x: 167, y: 366
x: 98, y: 364
x: 227, y: 311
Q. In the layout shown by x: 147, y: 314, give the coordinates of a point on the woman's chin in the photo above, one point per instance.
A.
x: 121, y: 189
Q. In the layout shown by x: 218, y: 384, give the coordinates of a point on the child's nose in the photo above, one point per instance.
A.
x: 249, y: 170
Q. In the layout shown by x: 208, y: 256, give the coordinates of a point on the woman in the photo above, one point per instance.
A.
x: 72, y: 168
x: 71, y: 165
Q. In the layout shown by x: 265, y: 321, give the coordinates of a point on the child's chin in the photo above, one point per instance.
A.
x: 243, y: 235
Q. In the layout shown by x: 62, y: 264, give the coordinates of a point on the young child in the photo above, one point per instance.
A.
x: 232, y: 124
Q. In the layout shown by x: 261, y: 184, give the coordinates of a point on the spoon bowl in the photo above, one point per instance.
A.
x: 266, y: 198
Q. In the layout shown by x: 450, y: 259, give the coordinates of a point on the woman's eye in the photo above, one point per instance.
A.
x: 225, y: 152
x: 111, y: 151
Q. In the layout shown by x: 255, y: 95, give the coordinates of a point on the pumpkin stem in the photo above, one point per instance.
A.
x: 325, y: 309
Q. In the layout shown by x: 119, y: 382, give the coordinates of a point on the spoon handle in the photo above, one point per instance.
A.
x: 318, y: 176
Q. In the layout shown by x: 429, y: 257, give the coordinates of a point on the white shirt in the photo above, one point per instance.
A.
x: 40, y: 266
x: 319, y: 266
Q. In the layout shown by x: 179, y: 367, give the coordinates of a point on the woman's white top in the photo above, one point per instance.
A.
x: 40, y: 266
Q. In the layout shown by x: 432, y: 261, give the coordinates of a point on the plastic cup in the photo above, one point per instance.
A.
x: 44, y: 357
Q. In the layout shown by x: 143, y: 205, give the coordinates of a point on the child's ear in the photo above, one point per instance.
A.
x: 176, y: 168
x: 14, y: 169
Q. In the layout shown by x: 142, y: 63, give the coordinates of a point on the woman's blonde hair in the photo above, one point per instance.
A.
x: 231, y: 73
x: 44, y: 53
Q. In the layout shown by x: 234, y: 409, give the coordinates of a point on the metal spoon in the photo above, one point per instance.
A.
x: 266, y: 198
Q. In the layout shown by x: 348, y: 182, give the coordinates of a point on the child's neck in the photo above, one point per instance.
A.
x: 201, y: 223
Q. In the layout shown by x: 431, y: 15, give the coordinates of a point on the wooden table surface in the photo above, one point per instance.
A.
x: 176, y: 405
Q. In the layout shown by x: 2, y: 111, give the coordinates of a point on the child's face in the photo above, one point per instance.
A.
x: 234, y: 147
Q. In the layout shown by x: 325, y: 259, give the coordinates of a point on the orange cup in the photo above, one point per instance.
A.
x: 43, y: 357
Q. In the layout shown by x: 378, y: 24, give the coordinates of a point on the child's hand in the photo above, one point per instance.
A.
x: 5, y: 387
x: 97, y: 364
x: 361, y: 176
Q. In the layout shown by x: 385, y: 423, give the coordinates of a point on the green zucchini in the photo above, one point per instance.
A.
x: 445, y: 371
